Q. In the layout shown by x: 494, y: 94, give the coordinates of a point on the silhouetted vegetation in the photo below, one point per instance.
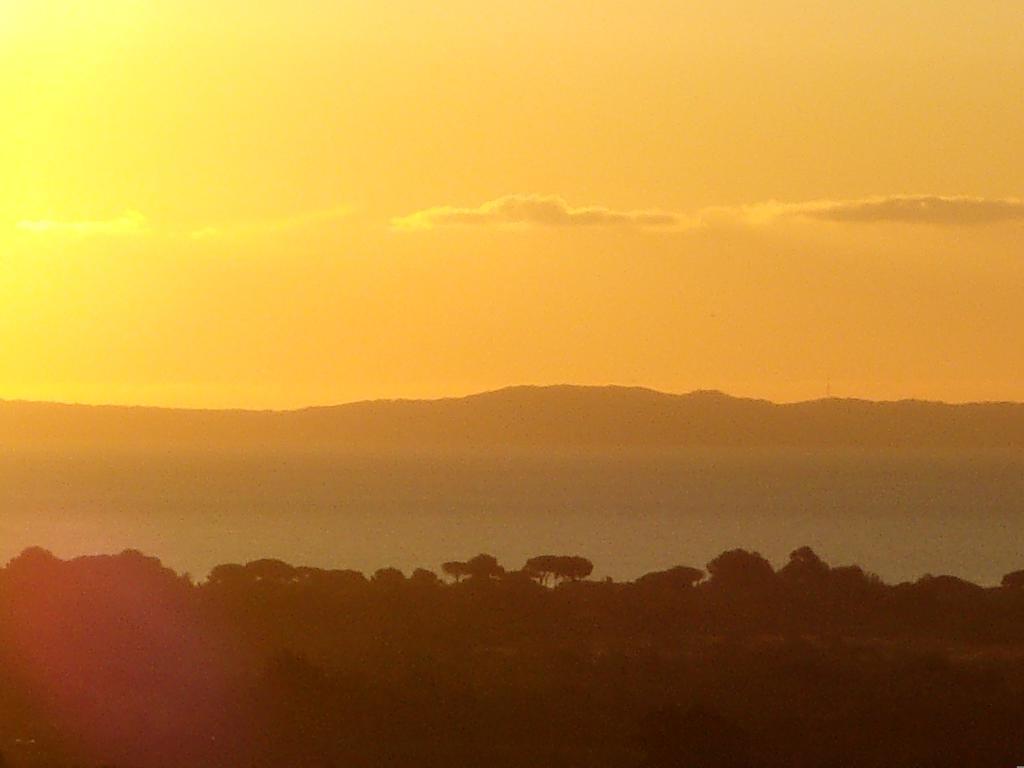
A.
x: 117, y: 660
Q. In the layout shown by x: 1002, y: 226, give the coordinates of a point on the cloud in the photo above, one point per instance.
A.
x: 533, y: 210
x: 133, y: 223
x: 127, y: 224
x: 271, y: 226
x: 554, y: 212
x: 894, y: 209
x: 549, y: 211
x: 916, y: 209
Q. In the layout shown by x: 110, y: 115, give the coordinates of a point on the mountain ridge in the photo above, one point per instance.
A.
x: 527, y: 416
x: 508, y: 390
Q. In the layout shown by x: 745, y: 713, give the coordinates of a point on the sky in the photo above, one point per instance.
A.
x: 218, y: 203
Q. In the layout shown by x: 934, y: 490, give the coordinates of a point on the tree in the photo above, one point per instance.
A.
x: 484, y: 568
x: 421, y: 577
x: 560, y: 567
x: 742, y: 569
x: 851, y: 580
x: 388, y: 577
x: 679, y: 577
x: 1014, y: 580
x: 342, y: 579
x: 34, y: 561
x: 541, y: 568
x: 945, y: 586
x: 456, y: 569
x: 229, y: 575
x: 271, y: 570
x: 805, y: 568
x: 573, y: 568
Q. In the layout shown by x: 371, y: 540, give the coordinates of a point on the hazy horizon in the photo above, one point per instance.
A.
x: 827, y: 395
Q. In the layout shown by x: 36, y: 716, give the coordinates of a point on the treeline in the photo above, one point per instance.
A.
x: 738, y: 592
x: 117, y: 660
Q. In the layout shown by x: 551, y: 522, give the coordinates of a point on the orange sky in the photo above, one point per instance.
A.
x: 227, y: 203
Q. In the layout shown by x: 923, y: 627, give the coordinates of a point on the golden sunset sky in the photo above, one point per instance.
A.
x: 286, y: 202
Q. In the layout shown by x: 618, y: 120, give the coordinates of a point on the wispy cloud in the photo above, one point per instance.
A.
x: 132, y: 223
x: 932, y: 210
x: 129, y: 223
x: 534, y: 210
x: 271, y: 226
x: 554, y: 212
x: 918, y: 209
x: 549, y: 211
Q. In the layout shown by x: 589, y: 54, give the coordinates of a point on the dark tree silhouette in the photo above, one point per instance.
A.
x: 805, y: 569
x: 33, y: 562
x: 456, y: 569
x: 678, y: 577
x: 421, y: 577
x: 388, y: 577
x: 229, y: 575
x: 484, y: 568
x: 271, y: 570
x: 543, y: 568
x: 740, y: 569
x: 573, y: 568
x: 1014, y: 580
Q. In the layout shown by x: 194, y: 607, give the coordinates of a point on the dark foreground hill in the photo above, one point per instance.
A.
x: 528, y: 418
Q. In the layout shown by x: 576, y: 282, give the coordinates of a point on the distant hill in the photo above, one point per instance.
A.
x: 527, y: 418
